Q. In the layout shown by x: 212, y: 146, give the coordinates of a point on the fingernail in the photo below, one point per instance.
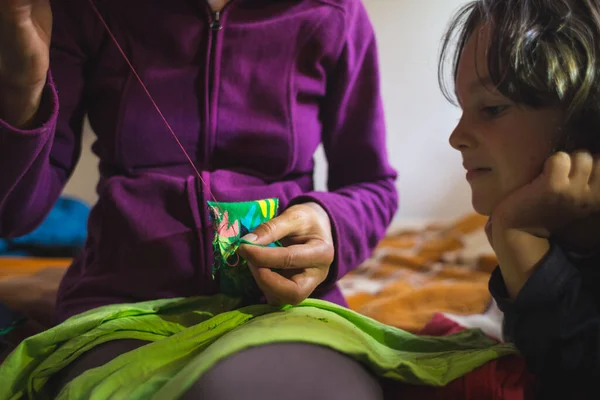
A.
x: 251, y: 237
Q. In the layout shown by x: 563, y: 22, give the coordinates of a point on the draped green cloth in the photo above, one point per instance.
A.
x: 188, y: 336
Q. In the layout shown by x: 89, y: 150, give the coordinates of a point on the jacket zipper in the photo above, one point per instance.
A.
x: 215, y: 25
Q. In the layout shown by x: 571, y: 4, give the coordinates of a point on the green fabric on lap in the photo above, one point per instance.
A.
x: 183, y: 331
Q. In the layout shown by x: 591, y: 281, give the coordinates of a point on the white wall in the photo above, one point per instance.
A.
x: 83, y: 182
x: 419, y: 118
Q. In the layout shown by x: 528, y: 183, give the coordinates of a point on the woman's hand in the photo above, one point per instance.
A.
x: 304, y: 261
x: 25, y: 32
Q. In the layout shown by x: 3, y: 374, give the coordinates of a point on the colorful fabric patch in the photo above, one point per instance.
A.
x: 232, y: 221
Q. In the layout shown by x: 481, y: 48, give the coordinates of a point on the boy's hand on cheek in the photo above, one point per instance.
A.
x: 566, y: 191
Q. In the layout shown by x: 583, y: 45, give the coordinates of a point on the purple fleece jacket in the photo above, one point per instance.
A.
x: 251, y: 93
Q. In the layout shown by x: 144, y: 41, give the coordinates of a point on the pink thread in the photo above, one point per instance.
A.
x: 153, y: 102
x: 191, y: 162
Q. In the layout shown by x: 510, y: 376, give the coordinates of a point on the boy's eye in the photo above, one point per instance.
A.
x: 493, y: 111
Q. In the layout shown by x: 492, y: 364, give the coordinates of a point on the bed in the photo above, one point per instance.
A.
x: 417, y: 273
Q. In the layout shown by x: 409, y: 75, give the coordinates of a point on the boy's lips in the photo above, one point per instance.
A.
x: 473, y: 173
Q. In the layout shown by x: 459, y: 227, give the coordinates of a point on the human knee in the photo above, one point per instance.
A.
x: 287, y: 372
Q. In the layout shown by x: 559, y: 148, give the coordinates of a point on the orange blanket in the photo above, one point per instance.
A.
x: 11, y: 267
x: 29, y: 285
x: 417, y: 273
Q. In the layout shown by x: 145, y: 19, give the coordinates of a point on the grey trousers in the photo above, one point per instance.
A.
x: 287, y: 371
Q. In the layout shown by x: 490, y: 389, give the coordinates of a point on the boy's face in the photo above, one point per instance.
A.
x: 503, y: 145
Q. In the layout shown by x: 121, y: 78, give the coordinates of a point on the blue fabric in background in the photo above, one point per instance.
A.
x: 61, y: 234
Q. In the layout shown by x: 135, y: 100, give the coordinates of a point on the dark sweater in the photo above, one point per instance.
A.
x: 555, y: 323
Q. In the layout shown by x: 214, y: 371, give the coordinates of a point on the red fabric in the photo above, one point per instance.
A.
x: 506, y: 378
x: 441, y: 326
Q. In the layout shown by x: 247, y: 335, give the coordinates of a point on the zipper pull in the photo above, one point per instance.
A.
x: 216, y: 22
